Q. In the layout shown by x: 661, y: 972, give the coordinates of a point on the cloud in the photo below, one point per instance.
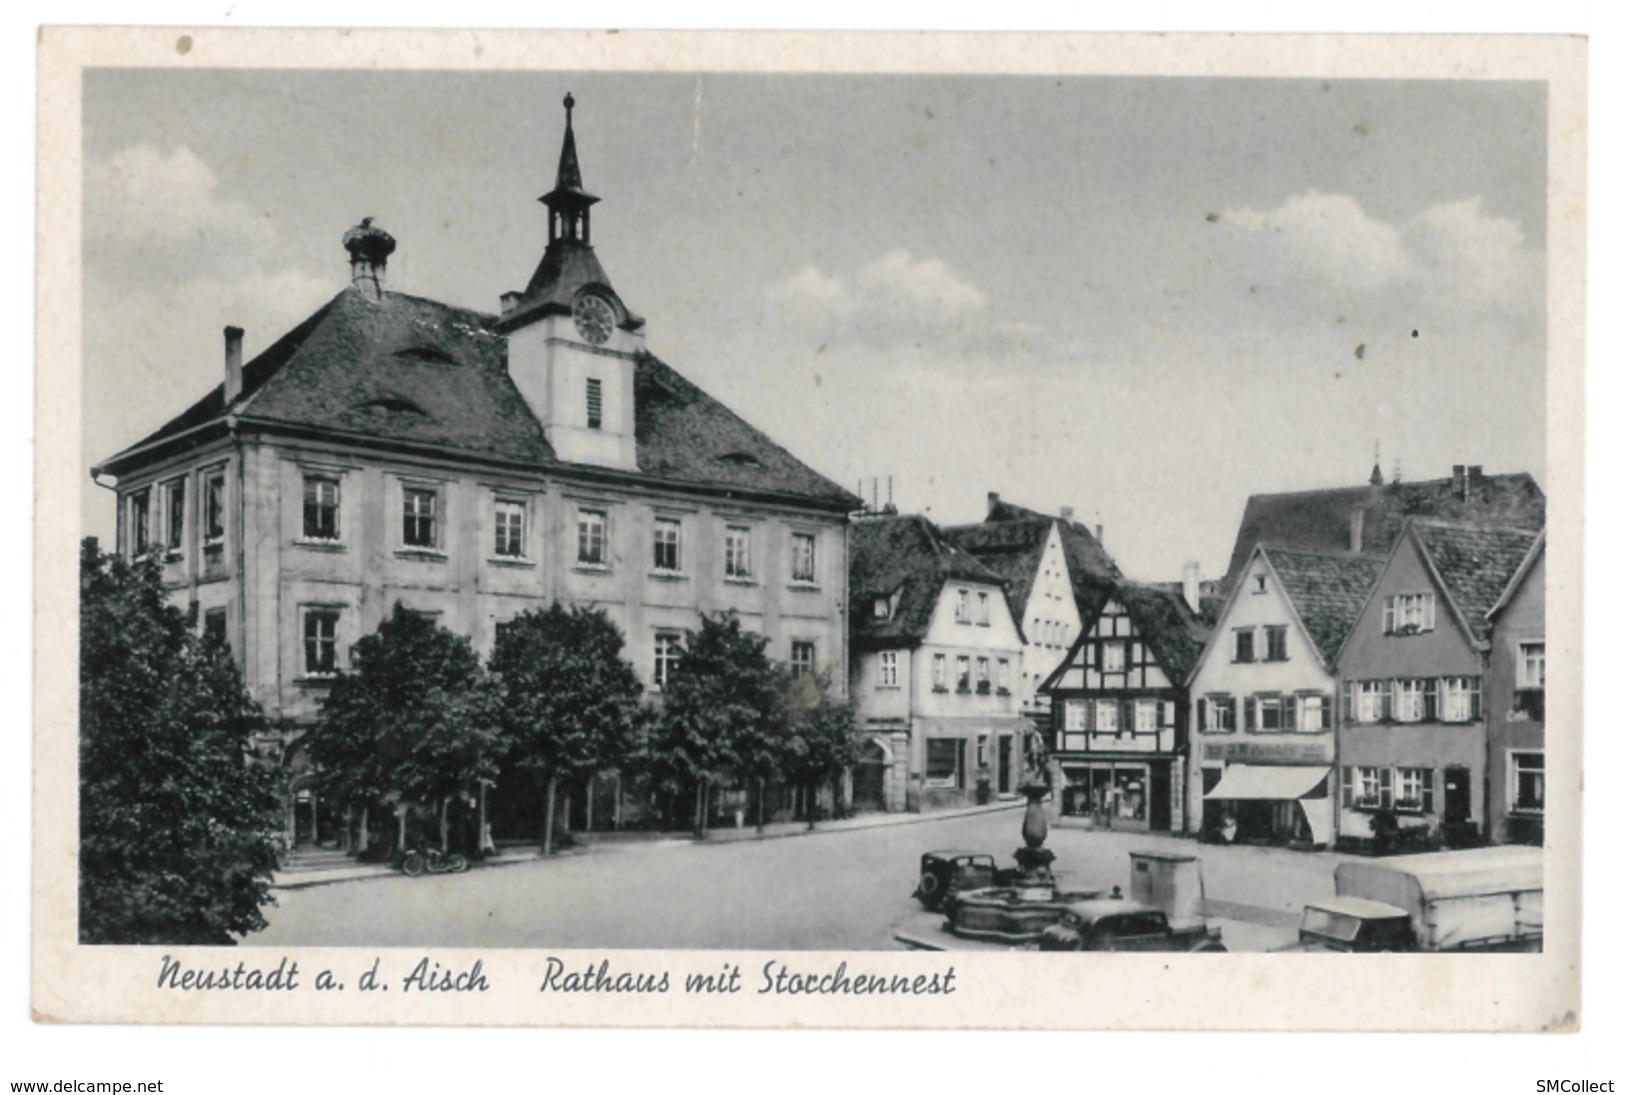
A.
x: 810, y: 294
x: 925, y: 287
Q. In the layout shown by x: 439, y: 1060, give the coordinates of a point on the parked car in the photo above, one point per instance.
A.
x: 944, y: 874
x: 1108, y: 924
x: 1480, y: 899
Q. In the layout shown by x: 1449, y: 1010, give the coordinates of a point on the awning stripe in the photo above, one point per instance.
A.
x: 1276, y: 782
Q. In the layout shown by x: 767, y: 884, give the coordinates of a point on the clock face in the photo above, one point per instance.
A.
x: 595, y: 318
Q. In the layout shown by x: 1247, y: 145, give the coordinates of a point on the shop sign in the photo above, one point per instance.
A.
x: 1268, y: 752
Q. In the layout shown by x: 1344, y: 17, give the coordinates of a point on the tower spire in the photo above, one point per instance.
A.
x: 568, y: 203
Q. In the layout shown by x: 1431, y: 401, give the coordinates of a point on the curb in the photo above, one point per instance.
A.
x: 902, y: 819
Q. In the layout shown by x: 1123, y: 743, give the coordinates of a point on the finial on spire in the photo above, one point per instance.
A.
x: 1376, y: 464
x: 569, y: 105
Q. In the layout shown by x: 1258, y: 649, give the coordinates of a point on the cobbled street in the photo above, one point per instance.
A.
x: 831, y: 890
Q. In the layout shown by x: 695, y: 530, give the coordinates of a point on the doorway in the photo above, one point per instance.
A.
x: 869, y: 779
x: 1005, y: 762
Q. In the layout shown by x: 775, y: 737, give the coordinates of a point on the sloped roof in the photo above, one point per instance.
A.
x: 909, y: 559
x: 1166, y: 623
x: 1475, y: 563
x: 1327, y: 592
x: 1320, y: 520
x: 1010, y: 542
x: 410, y: 370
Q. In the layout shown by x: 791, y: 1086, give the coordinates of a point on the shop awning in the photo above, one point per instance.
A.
x: 1279, y: 782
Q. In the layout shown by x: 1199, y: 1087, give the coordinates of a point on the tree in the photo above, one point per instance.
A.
x: 174, y: 818
x: 723, y: 711
x: 411, y: 720
x: 569, y: 699
x: 823, y: 740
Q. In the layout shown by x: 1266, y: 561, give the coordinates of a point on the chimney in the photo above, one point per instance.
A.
x: 1067, y: 514
x: 1475, y: 480
x: 369, y: 249
x: 1458, y: 480
x: 992, y: 500
x: 510, y: 302
x: 1357, y: 530
x: 234, y: 364
x: 1191, y: 586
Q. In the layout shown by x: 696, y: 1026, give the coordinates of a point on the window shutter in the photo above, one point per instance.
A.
x: 1430, y: 699
x: 1427, y: 612
x: 1166, y: 714
x: 1348, y: 701
x: 1348, y: 786
x: 1385, y: 787
x: 1201, y: 715
x: 1289, y: 711
x: 1125, y: 717
x: 1388, y: 615
x: 1387, y: 709
x: 1251, y: 720
x: 1427, y: 790
x: 1478, y: 688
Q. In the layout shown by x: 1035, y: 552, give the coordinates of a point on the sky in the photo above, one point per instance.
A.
x: 1144, y: 298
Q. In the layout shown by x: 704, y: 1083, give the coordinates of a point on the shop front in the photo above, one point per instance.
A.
x: 1119, y: 793
x: 1276, y: 794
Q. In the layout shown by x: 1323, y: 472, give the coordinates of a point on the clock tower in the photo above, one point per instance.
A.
x: 572, y: 342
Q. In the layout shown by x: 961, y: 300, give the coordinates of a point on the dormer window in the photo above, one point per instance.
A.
x: 882, y: 608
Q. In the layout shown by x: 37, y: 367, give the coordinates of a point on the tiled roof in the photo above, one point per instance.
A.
x: 410, y: 370
x: 1320, y: 520
x: 1327, y: 591
x: 1163, y: 619
x: 1475, y: 563
x: 1011, y: 544
x: 907, y: 560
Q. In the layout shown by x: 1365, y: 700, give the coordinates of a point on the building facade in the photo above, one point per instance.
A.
x: 1119, y: 711
x: 936, y: 660
x: 392, y: 449
x: 1412, y: 736
x: 1264, y: 691
x: 1515, y: 706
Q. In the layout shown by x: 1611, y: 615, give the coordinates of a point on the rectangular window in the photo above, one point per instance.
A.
x: 1112, y: 657
x: 981, y: 750
x: 1242, y: 644
x: 1106, y: 716
x: 1275, y: 644
x: 1221, y: 711
x: 321, y: 641
x: 1407, y: 613
x: 888, y: 669
x: 214, y: 626
x: 882, y: 608
x: 214, y: 508
x: 962, y: 606
x: 595, y: 403
x: 321, y: 508
x: 1146, y: 714
x: 510, y: 529
x: 962, y: 667
x: 939, y: 672
x: 1374, y: 788
x: 175, y: 523
x: 590, y: 538
x: 667, y: 645
x: 803, y: 658
x: 140, y: 522
x: 1460, y: 699
x: 944, y: 760
x: 736, y: 553
x: 1532, y: 665
x: 803, y: 557
x: 668, y: 545
x: 1314, y: 711
x: 1528, y: 774
x: 1371, y: 701
x: 984, y: 683
x: 1004, y: 676
x: 1276, y: 713
x: 1413, y: 789
x: 1077, y: 716
x: 418, y: 526
x: 982, y: 616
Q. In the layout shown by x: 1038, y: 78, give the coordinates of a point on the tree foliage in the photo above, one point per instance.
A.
x: 174, y: 820
x: 411, y: 721
x: 823, y: 736
x: 570, y: 702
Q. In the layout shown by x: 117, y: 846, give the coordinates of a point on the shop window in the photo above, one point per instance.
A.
x: 1128, y: 793
x: 944, y: 763
x: 1527, y: 771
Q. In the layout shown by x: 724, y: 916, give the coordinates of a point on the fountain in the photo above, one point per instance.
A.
x: 1019, y: 912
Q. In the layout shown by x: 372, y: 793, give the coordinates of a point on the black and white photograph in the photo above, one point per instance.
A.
x: 694, y: 531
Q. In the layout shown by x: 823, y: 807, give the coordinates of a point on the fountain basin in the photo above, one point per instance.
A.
x: 1011, y: 914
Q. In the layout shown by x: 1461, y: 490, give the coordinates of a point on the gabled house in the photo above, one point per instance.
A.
x: 1366, y: 520
x: 1264, y: 689
x: 1119, y: 709
x: 936, y: 656
x: 472, y: 466
x: 1515, y: 706
x: 1412, y: 737
x: 1055, y: 573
